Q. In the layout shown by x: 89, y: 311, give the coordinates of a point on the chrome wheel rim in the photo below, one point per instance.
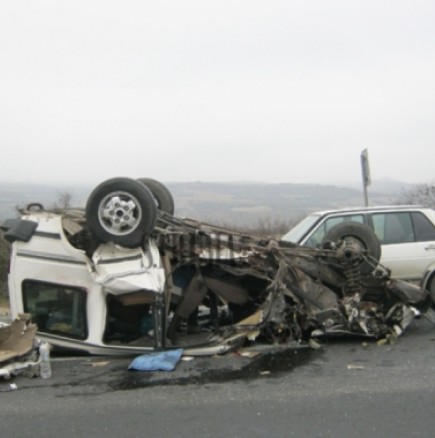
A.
x: 119, y: 213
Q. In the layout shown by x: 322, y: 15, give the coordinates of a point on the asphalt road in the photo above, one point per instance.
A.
x: 345, y: 389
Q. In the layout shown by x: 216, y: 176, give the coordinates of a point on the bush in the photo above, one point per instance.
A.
x: 4, y: 263
x: 422, y: 194
x: 269, y: 227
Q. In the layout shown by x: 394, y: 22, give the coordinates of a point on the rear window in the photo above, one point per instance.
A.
x: 424, y: 229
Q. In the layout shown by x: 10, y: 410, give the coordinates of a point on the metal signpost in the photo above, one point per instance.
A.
x: 365, y: 174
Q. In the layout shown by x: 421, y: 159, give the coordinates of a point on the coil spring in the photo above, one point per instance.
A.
x: 353, y: 279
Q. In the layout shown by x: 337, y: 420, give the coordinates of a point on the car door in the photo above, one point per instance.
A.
x: 408, y: 242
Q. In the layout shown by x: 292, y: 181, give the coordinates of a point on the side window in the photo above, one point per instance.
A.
x: 393, y: 228
x: 424, y: 228
x: 379, y: 226
x: 319, y: 234
x: 56, y: 308
x: 317, y: 237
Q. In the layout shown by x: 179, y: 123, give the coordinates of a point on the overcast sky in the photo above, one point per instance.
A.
x: 225, y: 90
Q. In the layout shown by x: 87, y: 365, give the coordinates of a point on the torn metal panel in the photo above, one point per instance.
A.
x: 124, y: 270
x: 18, y: 354
x: 409, y: 293
x: 16, y: 339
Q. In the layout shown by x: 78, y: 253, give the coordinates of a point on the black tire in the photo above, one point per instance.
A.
x: 35, y: 206
x: 121, y: 210
x: 163, y: 197
x: 431, y: 291
x: 363, y: 234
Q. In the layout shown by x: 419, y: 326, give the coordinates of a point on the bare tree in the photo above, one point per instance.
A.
x: 270, y: 227
x: 422, y: 194
x: 63, y: 200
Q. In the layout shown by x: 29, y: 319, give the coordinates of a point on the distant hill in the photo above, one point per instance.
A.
x: 222, y: 203
x: 384, y: 185
x: 246, y: 203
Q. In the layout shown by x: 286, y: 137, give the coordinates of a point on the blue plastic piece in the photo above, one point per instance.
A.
x: 160, y: 361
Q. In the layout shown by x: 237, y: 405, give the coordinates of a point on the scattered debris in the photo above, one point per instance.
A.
x: 250, y: 353
x: 9, y: 388
x: 355, y: 367
x: 314, y: 344
x: 100, y: 364
x: 390, y: 339
x: 18, y: 348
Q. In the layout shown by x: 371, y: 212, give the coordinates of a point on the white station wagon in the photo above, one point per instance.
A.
x: 406, y: 234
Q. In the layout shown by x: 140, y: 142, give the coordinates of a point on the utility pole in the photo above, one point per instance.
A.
x: 365, y: 174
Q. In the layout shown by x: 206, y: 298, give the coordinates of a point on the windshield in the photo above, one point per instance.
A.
x: 296, y: 234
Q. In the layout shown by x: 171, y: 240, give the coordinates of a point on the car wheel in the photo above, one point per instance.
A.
x: 163, y: 197
x: 431, y: 290
x: 360, y: 233
x: 121, y: 210
x: 35, y: 206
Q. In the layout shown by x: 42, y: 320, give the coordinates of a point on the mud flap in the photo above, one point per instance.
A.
x: 18, y: 229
